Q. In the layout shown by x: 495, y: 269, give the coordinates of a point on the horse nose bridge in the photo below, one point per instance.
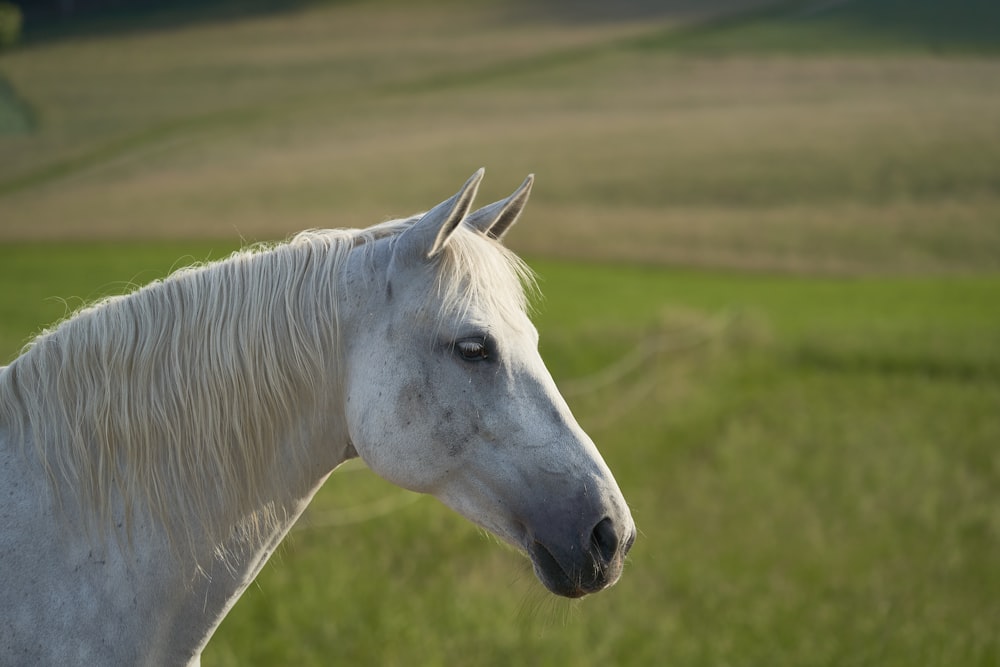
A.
x: 591, y: 515
x: 585, y: 483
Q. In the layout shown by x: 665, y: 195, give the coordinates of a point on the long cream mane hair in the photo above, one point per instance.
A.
x: 179, y: 397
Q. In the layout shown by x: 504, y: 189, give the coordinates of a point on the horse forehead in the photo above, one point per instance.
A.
x: 425, y: 300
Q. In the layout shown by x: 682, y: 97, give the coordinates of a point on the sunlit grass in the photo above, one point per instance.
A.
x: 812, y: 462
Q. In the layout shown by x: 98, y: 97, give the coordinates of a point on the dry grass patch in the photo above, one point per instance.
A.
x: 348, y: 115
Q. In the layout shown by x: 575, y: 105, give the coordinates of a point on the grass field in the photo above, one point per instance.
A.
x: 768, y: 237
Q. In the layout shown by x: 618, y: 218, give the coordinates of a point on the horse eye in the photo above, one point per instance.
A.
x: 473, y: 349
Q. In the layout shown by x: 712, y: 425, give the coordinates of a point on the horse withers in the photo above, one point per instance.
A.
x: 156, y: 447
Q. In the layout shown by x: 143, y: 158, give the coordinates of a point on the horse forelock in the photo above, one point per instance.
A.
x: 173, y: 398
x: 477, y: 273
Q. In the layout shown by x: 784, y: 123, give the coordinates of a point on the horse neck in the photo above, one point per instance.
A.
x: 209, y: 425
x: 312, y: 439
x: 192, y: 572
x: 296, y: 478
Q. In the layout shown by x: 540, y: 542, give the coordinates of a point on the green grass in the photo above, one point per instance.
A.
x: 769, y: 249
x: 44, y: 283
x: 15, y: 116
x: 812, y: 465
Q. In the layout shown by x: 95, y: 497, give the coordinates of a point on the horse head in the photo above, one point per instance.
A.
x: 446, y: 394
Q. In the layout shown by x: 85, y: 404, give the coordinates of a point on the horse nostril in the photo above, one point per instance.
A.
x: 604, y: 540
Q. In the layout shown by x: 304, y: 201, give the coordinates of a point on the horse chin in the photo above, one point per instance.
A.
x: 558, y: 580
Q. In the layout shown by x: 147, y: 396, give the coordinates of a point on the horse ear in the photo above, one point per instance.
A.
x: 494, y: 220
x: 428, y: 235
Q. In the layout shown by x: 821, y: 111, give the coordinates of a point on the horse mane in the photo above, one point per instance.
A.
x: 179, y: 397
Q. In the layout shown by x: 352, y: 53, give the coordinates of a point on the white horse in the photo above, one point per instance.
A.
x: 156, y: 447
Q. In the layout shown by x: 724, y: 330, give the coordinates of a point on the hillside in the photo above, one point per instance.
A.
x: 815, y: 136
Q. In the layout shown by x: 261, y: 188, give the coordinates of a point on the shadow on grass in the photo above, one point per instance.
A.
x: 973, y: 23
x: 53, y: 20
x: 838, y: 26
x: 722, y: 25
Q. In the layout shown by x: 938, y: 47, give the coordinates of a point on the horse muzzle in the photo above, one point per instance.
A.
x: 590, y: 566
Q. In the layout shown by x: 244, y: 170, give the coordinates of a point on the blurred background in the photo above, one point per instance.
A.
x: 768, y: 236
